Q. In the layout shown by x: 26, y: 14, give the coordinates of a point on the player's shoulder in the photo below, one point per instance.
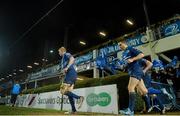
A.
x: 67, y: 54
x: 143, y: 60
x: 130, y: 48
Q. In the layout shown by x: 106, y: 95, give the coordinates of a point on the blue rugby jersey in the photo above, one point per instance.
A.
x: 71, y: 73
x: 65, y: 60
x: 131, y: 52
x: 134, y: 69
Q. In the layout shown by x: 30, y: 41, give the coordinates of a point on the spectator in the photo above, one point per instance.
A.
x: 15, y: 92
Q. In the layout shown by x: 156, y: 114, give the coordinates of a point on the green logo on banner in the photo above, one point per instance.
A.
x: 102, y: 99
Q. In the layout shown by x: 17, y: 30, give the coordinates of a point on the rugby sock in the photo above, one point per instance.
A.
x: 71, y: 101
x: 72, y: 95
x: 158, y: 101
x: 147, y: 101
x: 132, y: 98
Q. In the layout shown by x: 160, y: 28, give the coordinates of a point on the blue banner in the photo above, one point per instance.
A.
x: 51, y: 71
x: 84, y: 58
x: 108, y: 49
x: 137, y: 40
x: 44, y: 72
x: 171, y: 29
x: 85, y: 66
x: 131, y: 41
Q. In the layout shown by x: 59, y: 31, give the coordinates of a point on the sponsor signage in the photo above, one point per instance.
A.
x: 101, y: 99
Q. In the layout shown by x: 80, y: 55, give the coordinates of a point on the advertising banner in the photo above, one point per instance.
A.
x: 102, y: 99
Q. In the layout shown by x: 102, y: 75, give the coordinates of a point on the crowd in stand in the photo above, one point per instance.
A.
x: 168, y: 74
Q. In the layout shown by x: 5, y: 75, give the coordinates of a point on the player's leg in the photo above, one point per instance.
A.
x: 73, y: 95
x: 71, y: 101
x: 132, y: 96
x: 161, y: 106
x: 64, y: 88
x: 144, y: 104
x: 143, y: 90
x: 67, y: 89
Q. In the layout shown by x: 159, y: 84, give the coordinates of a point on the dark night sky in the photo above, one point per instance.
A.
x: 85, y: 18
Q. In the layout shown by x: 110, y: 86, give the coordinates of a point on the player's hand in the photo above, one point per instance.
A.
x: 130, y: 60
x: 144, y: 71
x: 65, y: 69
